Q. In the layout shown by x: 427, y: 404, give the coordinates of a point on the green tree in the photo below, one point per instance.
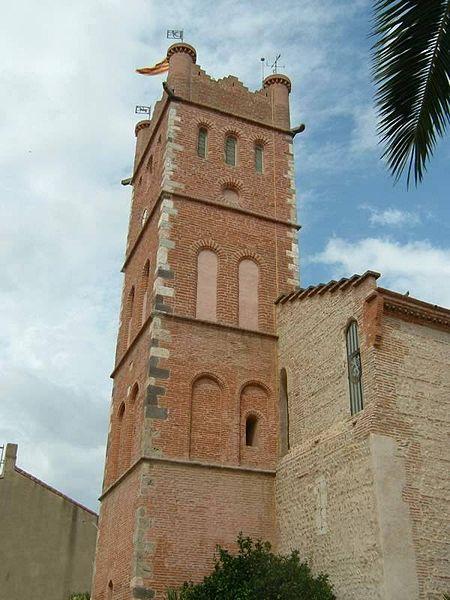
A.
x: 255, y: 573
x: 411, y: 69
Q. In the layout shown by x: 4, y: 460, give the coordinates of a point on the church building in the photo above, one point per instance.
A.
x: 315, y: 418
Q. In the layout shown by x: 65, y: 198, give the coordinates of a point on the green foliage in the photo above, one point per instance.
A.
x: 80, y: 596
x: 411, y: 68
x: 255, y: 573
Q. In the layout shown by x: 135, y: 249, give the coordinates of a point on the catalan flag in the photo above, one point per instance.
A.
x: 160, y: 67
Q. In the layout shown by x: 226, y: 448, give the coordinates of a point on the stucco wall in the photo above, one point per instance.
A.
x: 47, y: 543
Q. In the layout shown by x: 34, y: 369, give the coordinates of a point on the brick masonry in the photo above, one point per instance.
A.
x: 181, y: 474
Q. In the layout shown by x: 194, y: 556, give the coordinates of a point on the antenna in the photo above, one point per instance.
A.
x: 175, y: 34
x: 143, y: 110
x: 263, y: 64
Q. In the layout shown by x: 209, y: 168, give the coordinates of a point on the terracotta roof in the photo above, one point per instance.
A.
x: 323, y: 288
x: 57, y: 492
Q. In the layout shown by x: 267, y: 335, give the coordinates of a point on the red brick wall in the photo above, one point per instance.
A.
x: 197, y: 381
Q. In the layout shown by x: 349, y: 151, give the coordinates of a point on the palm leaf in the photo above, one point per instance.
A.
x: 411, y: 69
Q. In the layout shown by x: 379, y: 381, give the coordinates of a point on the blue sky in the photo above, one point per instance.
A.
x: 67, y: 129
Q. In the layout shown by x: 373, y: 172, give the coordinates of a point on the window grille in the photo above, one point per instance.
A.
x: 259, y: 158
x: 354, y: 368
x: 230, y: 151
x: 201, y: 142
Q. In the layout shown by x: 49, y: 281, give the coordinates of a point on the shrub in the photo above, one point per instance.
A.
x: 255, y: 573
x: 80, y: 596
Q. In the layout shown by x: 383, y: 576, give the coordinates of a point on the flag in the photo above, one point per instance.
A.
x: 160, y: 67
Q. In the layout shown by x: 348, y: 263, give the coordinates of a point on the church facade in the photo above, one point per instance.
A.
x: 314, y: 418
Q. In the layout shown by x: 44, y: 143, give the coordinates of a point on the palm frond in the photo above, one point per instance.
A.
x: 411, y: 69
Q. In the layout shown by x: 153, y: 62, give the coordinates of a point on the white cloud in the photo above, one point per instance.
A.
x: 393, y: 217
x: 417, y: 267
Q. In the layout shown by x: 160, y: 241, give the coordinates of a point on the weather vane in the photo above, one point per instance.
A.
x: 175, y: 34
x: 274, y: 66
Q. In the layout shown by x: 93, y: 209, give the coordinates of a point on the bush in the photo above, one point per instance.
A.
x: 79, y: 596
x: 255, y: 573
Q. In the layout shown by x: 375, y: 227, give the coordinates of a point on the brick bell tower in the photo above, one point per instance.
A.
x: 194, y: 429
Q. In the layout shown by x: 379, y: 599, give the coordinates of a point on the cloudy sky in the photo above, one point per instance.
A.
x: 68, y: 92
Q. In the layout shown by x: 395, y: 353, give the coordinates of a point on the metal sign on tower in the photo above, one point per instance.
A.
x: 175, y: 34
x: 143, y: 110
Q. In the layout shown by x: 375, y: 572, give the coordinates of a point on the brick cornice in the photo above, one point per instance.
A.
x: 221, y: 205
x: 411, y: 309
x: 216, y: 324
x: 185, y: 463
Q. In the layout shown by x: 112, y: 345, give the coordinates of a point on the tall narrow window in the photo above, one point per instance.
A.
x: 110, y: 590
x: 354, y: 368
x: 251, y: 429
x: 259, y: 158
x: 202, y: 142
x: 145, y: 282
x: 130, y: 309
x: 284, y: 413
x: 230, y: 150
x: 248, y: 294
x: 206, y: 285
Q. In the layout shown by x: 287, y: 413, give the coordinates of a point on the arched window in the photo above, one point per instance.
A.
x: 127, y: 437
x: 202, y: 141
x: 230, y: 196
x: 206, y: 285
x: 256, y: 439
x: 110, y: 591
x: 251, y: 430
x: 259, y: 158
x: 144, y: 217
x: 145, y: 283
x: 248, y: 294
x: 230, y: 150
x: 206, y: 419
x: 284, y: 413
x: 150, y: 164
x: 117, y: 441
x: 354, y: 368
x: 130, y: 309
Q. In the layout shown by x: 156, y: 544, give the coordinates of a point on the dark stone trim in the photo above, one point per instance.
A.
x: 161, y: 306
x: 165, y: 273
x: 143, y: 593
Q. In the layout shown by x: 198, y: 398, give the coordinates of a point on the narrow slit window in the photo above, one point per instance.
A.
x: 251, y: 426
x: 130, y: 315
x: 202, y: 142
x: 230, y: 150
x: 284, y: 413
x: 354, y: 368
x: 259, y: 158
